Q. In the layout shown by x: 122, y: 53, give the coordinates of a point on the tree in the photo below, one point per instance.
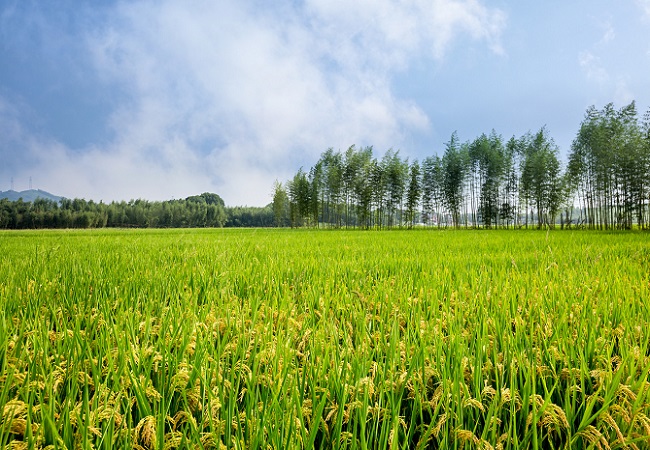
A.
x: 608, y: 168
x: 541, y: 180
x: 509, y: 211
x: 487, y: 164
x: 315, y: 192
x: 362, y: 189
x: 299, y: 199
x: 333, y: 184
x: 379, y: 182
x: 396, y: 172
x: 432, y: 189
x: 413, y: 193
x: 454, y: 173
x: 351, y: 168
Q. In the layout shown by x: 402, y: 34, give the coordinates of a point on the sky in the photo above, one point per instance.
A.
x: 118, y: 100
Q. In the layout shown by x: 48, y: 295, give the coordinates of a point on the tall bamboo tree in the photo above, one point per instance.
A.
x: 541, y: 187
x: 413, y: 194
x: 454, y: 166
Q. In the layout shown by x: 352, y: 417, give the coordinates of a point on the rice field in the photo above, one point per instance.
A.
x: 284, y: 339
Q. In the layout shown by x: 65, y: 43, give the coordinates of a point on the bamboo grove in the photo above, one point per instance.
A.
x: 486, y: 183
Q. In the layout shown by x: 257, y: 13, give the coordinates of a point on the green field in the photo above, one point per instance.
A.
x: 329, y: 339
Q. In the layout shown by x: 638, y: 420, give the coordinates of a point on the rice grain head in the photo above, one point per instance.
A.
x: 145, y: 432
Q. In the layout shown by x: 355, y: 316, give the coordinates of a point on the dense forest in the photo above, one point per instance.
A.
x: 486, y: 183
x: 205, y: 210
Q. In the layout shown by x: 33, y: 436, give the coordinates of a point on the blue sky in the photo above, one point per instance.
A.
x: 117, y: 100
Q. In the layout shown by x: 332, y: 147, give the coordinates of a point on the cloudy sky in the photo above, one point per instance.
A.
x: 117, y: 100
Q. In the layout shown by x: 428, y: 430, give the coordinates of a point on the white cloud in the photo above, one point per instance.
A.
x: 609, y: 34
x: 593, y: 68
x: 614, y: 88
x: 392, y: 31
x: 115, y: 172
x: 645, y: 7
x: 226, y: 96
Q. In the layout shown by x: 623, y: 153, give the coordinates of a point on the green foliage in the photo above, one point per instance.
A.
x: 488, y: 163
x: 541, y: 181
x: 454, y: 164
x: 207, y: 198
x: 432, y: 197
x: 300, y: 199
x: 609, y: 168
x: 413, y: 194
x: 200, y: 211
x: 280, y: 205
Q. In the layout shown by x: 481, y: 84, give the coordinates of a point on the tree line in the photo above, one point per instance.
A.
x: 487, y: 182
x: 205, y: 210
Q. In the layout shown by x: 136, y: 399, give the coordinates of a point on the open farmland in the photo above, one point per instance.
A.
x: 301, y: 339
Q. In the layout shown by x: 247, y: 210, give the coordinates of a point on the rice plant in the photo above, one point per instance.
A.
x: 285, y: 339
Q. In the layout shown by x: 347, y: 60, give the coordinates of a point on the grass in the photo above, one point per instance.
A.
x: 327, y: 339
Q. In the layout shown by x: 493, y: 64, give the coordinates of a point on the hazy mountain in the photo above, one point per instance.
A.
x: 29, y: 195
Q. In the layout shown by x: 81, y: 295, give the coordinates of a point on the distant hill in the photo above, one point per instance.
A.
x: 29, y: 195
